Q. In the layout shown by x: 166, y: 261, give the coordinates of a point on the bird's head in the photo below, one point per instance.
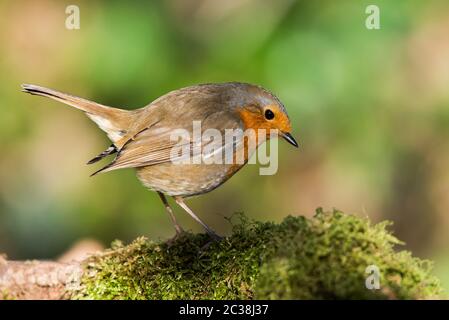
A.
x: 263, y: 110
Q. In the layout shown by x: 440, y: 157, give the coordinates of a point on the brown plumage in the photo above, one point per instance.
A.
x: 142, y: 138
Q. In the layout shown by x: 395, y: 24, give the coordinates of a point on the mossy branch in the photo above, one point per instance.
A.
x: 325, y: 257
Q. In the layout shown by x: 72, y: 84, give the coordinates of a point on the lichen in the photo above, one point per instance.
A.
x: 5, y: 295
x: 324, y: 257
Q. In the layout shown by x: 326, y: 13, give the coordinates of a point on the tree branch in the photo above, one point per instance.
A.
x: 38, y: 279
x: 325, y: 257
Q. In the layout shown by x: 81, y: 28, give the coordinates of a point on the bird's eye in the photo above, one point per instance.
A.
x: 269, y: 115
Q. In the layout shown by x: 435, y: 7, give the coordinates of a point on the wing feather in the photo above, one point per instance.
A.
x: 155, y: 144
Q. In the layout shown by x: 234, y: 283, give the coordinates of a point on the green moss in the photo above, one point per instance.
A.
x: 319, y: 258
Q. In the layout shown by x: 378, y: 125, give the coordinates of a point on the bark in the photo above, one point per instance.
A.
x: 37, y: 280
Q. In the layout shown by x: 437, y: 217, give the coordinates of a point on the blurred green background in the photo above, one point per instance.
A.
x: 370, y: 109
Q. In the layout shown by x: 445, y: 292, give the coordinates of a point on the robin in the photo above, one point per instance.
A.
x: 142, y: 138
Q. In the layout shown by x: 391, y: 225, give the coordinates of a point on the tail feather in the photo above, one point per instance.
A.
x: 115, y: 122
x: 111, y: 150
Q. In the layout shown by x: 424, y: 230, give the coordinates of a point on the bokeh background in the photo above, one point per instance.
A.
x: 370, y: 109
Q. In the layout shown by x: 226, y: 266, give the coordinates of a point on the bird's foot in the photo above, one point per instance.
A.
x: 179, y: 234
x: 213, y: 238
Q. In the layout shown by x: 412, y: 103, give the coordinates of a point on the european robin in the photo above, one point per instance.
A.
x: 142, y: 138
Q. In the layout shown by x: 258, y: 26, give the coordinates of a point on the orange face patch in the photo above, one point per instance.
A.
x: 254, y: 119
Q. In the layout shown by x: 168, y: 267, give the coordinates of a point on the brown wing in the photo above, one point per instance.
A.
x: 155, y: 145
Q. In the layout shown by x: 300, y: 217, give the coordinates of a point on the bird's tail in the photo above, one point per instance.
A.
x: 115, y: 122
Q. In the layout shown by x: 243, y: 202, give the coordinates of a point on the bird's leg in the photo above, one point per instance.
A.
x: 178, y: 228
x: 181, y: 203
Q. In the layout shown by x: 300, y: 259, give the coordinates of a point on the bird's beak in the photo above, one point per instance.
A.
x: 287, y: 136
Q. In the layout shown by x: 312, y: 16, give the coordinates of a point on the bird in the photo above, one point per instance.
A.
x: 143, y: 138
